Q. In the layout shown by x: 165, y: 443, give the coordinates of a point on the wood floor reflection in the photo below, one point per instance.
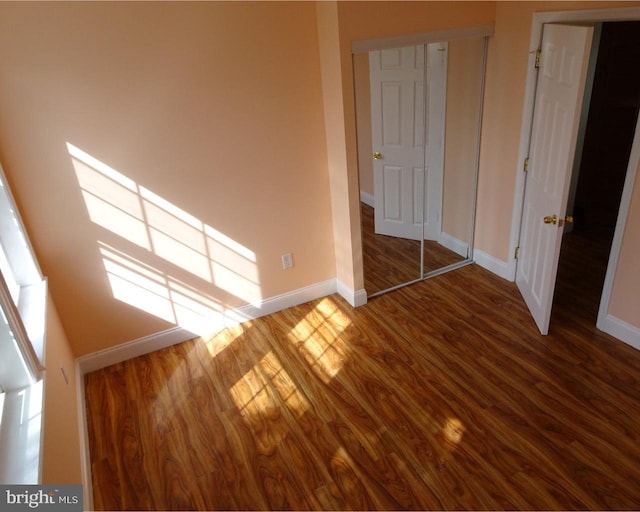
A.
x: 389, y: 261
x: 440, y: 395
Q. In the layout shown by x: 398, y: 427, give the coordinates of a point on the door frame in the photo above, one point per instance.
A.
x: 605, y: 321
x: 365, y: 46
x: 537, y: 25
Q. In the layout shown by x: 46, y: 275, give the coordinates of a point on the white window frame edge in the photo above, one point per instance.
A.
x: 34, y: 365
x: 18, y: 218
x: 14, y: 316
x: 21, y: 449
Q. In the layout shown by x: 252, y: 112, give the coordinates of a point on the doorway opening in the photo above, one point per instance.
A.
x: 610, y: 119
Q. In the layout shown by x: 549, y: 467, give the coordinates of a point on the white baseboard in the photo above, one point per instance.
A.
x: 454, y: 244
x: 85, y: 456
x: 147, y: 344
x: 503, y: 269
x: 279, y: 302
x: 157, y: 341
x: 630, y: 334
x: 129, y: 350
x: 354, y: 297
x: 231, y: 317
x: 367, y: 198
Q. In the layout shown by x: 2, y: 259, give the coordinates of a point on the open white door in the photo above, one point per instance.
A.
x: 564, y: 60
x: 397, y: 78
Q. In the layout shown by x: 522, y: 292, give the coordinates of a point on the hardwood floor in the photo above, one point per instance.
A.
x: 389, y: 261
x: 583, y: 264
x: 440, y: 395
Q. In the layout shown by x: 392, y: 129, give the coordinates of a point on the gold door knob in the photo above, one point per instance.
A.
x: 551, y: 219
x: 377, y: 155
x: 569, y: 219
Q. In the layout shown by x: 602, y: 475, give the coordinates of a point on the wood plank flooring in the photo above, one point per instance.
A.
x: 440, y: 395
x: 390, y: 261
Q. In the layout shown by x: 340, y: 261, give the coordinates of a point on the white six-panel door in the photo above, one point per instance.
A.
x: 561, y: 79
x: 397, y: 78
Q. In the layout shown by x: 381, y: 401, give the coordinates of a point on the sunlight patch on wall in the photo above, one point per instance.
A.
x: 112, y: 204
x: 135, y: 213
x: 175, y: 235
x: 317, y: 336
x: 163, y: 296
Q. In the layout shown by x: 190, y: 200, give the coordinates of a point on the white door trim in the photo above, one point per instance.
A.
x: 539, y: 19
x: 632, y: 170
x: 605, y: 322
x: 367, y: 45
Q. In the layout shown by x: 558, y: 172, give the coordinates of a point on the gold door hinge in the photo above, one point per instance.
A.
x: 538, y: 55
x: 526, y: 164
x: 517, y: 253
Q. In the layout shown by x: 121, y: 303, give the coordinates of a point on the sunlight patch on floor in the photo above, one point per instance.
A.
x: 453, y: 430
x: 261, y: 395
x: 251, y: 394
x: 318, y: 337
x: 219, y: 341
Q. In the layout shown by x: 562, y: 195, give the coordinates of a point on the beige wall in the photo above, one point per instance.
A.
x: 61, y: 439
x: 369, y: 20
x: 221, y: 110
x: 502, y: 122
x: 462, y: 131
x: 363, y: 121
x: 345, y: 210
x: 200, y: 103
x: 502, y: 117
x: 214, y: 107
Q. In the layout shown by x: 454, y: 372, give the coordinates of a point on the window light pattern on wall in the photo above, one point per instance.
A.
x: 120, y: 205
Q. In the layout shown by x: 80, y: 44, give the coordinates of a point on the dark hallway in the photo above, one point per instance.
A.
x: 610, y: 129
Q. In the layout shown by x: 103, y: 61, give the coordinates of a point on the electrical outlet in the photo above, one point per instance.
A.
x: 287, y: 261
